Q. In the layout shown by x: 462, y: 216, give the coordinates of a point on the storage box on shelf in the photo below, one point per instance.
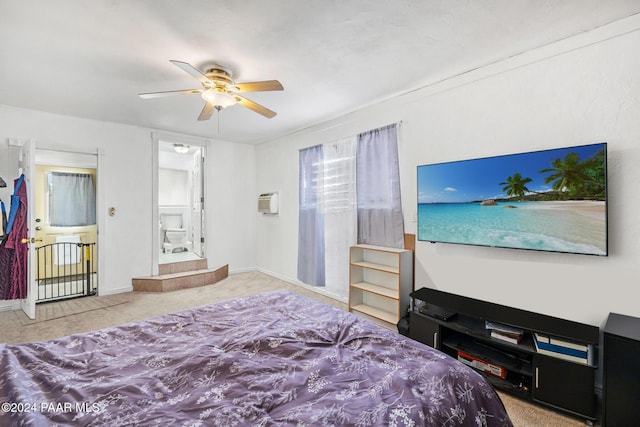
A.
x: 380, y: 281
x: 548, y: 360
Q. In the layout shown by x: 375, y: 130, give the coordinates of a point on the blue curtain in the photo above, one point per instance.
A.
x: 380, y: 220
x: 311, y: 219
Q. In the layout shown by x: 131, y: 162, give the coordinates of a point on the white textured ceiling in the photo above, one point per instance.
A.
x: 90, y: 58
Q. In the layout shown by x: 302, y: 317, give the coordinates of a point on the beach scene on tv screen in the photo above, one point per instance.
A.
x: 551, y: 200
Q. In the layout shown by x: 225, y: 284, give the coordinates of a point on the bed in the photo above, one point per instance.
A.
x: 278, y: 358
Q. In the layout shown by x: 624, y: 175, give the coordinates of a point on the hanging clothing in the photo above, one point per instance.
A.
x: 15, y: 204
x: 7, y: 258
x: 13, y: 253
x: 4, y: 217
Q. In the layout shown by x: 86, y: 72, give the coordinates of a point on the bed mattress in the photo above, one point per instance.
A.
x: 272, y: 359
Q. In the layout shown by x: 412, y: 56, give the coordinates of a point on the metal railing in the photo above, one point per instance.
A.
x: 65, y: 270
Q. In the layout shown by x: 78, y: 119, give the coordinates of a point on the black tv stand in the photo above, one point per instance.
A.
x: 516, y: 368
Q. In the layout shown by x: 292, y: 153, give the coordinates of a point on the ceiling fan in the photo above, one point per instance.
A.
x: 220, y: 91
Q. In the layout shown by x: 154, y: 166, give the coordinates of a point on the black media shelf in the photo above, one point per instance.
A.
x: 518, y: 369
x: 518, y: 387
x: 512, y: 361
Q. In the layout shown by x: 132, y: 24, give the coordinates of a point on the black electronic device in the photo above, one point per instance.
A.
x: 437, y: 312
x: 499, y: 201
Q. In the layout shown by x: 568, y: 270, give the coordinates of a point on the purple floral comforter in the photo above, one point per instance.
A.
x: 267, y: 360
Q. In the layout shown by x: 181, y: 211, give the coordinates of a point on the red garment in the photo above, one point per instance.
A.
x: 14, y: 252
x: 7, y: 257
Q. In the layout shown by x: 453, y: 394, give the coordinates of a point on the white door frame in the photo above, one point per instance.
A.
x: 156, y: 138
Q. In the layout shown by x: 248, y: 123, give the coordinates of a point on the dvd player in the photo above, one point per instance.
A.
x: 437, y: 312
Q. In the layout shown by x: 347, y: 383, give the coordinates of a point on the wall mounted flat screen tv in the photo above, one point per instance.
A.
x: 552, y: 200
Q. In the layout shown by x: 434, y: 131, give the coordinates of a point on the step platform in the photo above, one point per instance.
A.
x: 181, y: 275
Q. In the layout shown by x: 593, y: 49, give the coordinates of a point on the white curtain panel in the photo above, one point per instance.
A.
x: 339, y: 208
x: 72, y: 199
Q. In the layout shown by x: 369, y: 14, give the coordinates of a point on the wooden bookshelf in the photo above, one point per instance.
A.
x: 380, y: 281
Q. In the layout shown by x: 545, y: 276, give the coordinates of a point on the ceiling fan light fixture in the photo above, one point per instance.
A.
x: 181, y: 148
x: 218, y: 98
x: 220, y: 91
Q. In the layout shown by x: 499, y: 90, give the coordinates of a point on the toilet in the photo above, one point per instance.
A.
x: 175, y: 237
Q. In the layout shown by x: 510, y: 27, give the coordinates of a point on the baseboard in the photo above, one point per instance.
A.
x: 114, y: 291
x: 10, y: 305
x: 242, y: 270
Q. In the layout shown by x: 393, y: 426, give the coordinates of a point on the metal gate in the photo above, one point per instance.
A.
x: 65, y: 270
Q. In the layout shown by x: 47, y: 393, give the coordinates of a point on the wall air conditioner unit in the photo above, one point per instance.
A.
x: 268, y: 203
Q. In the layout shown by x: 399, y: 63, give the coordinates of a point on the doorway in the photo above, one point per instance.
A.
x: 66, y: 229
x: 179, y: 206
x: 18, y: 157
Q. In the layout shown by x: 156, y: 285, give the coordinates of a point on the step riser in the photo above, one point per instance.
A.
x: 183, y: 266
x: 186, y: 281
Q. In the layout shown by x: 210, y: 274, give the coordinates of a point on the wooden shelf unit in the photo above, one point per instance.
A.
x: 380, y: 281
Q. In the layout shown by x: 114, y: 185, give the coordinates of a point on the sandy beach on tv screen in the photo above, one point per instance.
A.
x: 592, y: 208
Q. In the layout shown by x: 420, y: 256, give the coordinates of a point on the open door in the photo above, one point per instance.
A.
x: 197, y: 200
x: 27, y: 166
x: 21, y: 155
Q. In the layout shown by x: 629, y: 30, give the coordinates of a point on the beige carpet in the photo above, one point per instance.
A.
x: 90, y: 313
x: 55, y: 310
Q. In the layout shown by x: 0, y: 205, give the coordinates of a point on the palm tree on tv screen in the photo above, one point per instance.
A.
x: 576, y: 178
x: 516, y: 185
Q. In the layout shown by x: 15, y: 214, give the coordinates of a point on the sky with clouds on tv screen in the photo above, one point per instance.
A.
x: 479, y: 179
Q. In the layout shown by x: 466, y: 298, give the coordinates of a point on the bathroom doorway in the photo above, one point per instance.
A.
x: 180, y: 201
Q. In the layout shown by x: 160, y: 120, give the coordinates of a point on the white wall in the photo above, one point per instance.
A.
x: 231, y: 204
x: 582, y: 90
x: 125, y: 171
x: 173, y: 187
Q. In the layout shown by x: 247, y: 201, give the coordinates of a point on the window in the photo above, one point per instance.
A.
x: 72, y: 199
x: 349, y: 193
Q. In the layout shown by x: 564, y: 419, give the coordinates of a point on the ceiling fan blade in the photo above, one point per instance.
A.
x: 253, y: 106
x: 191, y: 70
x: 266, y: 85
x: 206, y: 112
x: 168, y: 93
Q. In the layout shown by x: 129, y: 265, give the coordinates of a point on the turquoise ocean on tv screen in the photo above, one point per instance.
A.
x: 547, y: 226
